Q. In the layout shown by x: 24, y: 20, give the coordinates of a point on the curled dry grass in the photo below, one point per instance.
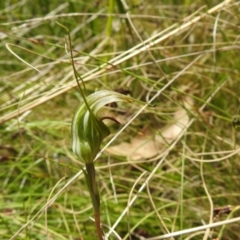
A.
x: 161, y: 54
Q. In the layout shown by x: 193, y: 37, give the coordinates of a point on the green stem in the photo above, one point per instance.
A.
x: 90, y: 176
x: 110, y: 17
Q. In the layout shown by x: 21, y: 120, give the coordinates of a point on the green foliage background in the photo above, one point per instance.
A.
x: 36, y: 159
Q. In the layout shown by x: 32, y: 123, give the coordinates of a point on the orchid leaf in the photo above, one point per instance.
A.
x: 88, y: 130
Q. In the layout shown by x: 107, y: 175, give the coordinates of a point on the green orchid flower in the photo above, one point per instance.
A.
x: 88, y: 130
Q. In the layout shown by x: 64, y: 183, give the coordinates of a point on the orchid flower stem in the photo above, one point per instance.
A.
x: 90, y: 176
x: 89, y: 130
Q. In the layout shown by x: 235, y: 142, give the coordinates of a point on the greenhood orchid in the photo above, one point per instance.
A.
x: 88, y: 130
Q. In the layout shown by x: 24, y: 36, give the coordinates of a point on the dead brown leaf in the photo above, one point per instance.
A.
x: 148, y: 145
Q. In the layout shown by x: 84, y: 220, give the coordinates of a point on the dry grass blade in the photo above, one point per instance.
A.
x: 173, y: 161
x: 115, y: 61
